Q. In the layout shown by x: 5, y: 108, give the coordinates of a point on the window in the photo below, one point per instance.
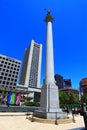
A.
x: 10, y: 71
x: 2, y: 61
x: 12, y: 75
x: 14, y: 84
x: 1, y: 65
x: 13, y: 72
x: 8, y: 67
x: 17, y: 73
x: 15, y: 80
x: 11, y: 67
x: 4, y: 78
x: 7, y: 70
x: 11, y: 83
x: 1, y: 77
x: 6, y: 74
x: 8, y: 78
x: 7, y: 83
x: 2, y: 73
x: 17, y: 69
x: 3, y: 58
x: 9, y: 74
x: 15, y: 65
x: 3, y: 82
x: 16, y: 76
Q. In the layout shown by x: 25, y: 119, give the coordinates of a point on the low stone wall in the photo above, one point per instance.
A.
x: 18, y: 108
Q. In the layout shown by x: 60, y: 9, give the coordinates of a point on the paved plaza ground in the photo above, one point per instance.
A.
x: 18, y: 121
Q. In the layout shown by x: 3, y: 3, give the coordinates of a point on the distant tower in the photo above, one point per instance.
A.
x: 31, y: 66
x: 67, y: 83
x: 49, y: 104
x: 59, y: 81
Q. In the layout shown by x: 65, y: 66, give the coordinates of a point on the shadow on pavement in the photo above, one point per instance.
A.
x: 81, y: 128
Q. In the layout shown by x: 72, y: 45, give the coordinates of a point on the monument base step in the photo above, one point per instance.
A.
x: 50, y: 121
x: 50, y: 115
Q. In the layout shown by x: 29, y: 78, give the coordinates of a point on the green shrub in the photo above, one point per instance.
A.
x: 32, y: 104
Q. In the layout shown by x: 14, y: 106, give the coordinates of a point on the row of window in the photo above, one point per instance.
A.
x: 9, y: 60
x: 9, y: 75
x: 12, y: 64
x: 2, y: 71
x: 7, y: 83
x: 8, y: 86
x: 11, y: 67
x: 33, y: 82
x: 8, y: 79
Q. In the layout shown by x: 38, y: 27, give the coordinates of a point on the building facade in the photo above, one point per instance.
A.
x: 9, y: 70
x: 31, y: 66
x: 67, y: 83
x: 83, y: 86
x: 59, y: 81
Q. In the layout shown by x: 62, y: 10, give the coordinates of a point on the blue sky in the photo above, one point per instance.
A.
x: 22, y: 20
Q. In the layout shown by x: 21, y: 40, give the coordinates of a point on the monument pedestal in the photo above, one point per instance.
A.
x: 49, y: 105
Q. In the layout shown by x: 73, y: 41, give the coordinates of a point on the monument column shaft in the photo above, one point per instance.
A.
x: 49, y: 73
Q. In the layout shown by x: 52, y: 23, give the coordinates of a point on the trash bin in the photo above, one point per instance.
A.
x: 85, y: 119
x: 83, y: 113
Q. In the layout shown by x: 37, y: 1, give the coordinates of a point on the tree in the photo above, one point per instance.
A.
x: 73, y: 98
x: 63, y: 98
x: 68, y: 99
x: 84, y: 98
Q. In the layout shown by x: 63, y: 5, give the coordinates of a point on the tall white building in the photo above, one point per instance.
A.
x: 31, y: 66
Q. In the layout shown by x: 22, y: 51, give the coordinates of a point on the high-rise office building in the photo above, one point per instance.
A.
x: 59, y: 81
x: 67, y: 83
x: 31, y: 66
x: 9, y: 70
x: 83, y: 86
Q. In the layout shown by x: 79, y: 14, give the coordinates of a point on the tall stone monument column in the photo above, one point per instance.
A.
x: 49, y: 104
x: 49, y: 73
